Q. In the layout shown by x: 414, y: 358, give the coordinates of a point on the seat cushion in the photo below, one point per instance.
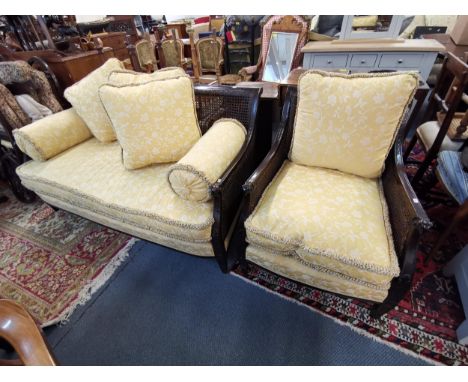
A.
x: 349, y: 122
x: 155, y: 121
x: 84, y: 97
x: 91, y: 176
x: 293, y: 269
x: 329, y: 220
x: 193, y: 175
x: 427, y: 133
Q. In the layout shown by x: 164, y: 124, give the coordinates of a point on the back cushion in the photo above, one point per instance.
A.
x: 125, y: 77
x: 349, y: 122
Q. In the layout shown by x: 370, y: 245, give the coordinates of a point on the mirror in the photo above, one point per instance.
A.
x: 280, y: 56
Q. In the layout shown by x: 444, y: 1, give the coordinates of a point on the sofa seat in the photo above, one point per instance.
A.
x: 328, y: 224
x: 90, y: 180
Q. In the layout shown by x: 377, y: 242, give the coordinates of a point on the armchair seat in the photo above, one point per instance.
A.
x: 139, y: 202
x: 326, y: 228
x: 428, y: 132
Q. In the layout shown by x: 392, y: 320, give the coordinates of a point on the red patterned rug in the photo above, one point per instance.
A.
x: 424, y: 322
x: 52, y: 261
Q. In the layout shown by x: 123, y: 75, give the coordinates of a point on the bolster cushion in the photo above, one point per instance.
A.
x: 192, y: 176
x: 51, y: 135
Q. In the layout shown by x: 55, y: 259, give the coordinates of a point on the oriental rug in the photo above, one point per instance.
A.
x: 53, y: 261
x: 424, y: 322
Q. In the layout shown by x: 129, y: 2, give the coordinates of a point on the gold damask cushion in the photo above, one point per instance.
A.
x: 84, y: 97
x: 51, y: 135
x: 327, y: 219
x: 349, y: 122
x: 325, y: 279
x: 192, y: 176
x: 126, y: 77
x: 91, y: 176
x: 155, y: 122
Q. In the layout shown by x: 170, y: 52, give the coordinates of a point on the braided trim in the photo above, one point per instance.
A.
x: 383, y: 287
x: 192, y: 170
x: 124, y: 221
x: 391, y: 270
x: 116, y: 207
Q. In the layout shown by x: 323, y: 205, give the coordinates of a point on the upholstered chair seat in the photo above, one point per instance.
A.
x: 140, y: 202
x: 326, y: 222
x: 428, y: 132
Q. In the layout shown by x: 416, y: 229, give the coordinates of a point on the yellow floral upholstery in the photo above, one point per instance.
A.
x: 126, y: 77
x: 51, y: 135
x: 139, y: 202
x: 155, y: 122
x: 324, y: 279
x: 349, y: 122
x: 85, y: 99
x: 327, y: 220
x: 192, y: 176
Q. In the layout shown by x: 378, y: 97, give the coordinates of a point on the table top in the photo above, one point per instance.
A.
x: 270, y: 89
x: 447, y: 42
x: 374, y: 45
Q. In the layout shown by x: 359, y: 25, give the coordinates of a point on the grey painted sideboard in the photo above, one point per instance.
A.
x: 365, y: 56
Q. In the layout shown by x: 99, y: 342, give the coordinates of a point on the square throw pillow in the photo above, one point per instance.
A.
x: 349, y: 122
x: 85, y: 100
x: 125, y: 77
x: 155, y: 122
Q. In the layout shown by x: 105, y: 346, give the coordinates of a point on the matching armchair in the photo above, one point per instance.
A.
x: 142, y: 56
x: 331, y: 205
x: 296, y: 27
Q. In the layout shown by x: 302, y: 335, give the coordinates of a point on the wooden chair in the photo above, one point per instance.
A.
x: 407, y: 218
x: 441, y: 116
x: 21, y: 332
x: 170, y: 50
x: 142, y: 56
x: 287, y: 24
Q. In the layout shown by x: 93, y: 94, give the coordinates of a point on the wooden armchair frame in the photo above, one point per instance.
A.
x: 292, y: 24
x: 162, y: 44
x: 407, y: 217
x: 445, y: 97
x: 20, y: 330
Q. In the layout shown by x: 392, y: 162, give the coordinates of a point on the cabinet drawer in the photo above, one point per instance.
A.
x: 330, y: 61
x: 402, y: 60
x: 363, y: 60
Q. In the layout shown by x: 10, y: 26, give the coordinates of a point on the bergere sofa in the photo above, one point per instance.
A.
x: 90, y: 178
x: 331, y: 205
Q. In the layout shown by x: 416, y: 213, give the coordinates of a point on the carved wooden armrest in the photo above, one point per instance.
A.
x: 22, y: 333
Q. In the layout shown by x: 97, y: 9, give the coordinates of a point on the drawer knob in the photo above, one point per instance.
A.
x: 329, y: 61
x: 363, y: 61
x: 400, y: 61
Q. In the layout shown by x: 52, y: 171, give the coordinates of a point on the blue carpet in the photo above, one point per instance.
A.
x: 162, y: 307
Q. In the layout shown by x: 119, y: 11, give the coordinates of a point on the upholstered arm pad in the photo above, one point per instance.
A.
x: 192, y: 176
x: 51, y: 135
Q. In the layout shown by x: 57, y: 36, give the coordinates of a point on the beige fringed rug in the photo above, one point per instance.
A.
x: 53, y: 261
